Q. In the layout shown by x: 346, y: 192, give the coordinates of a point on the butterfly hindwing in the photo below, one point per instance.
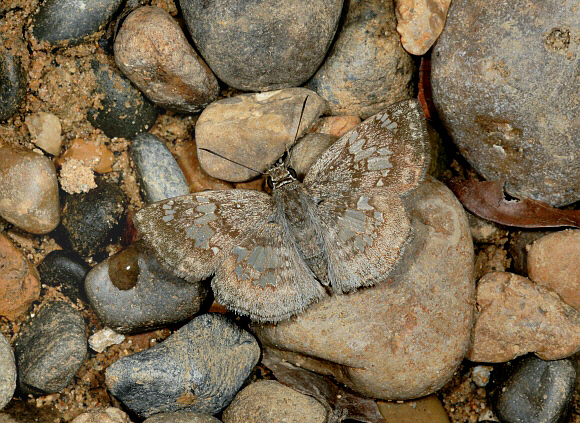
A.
x: 265, y: 277
x: 364, y: 237
x: 390, y: 149
x: 194, y: 233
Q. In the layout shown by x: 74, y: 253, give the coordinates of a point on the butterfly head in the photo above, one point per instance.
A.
x: 280, y: 175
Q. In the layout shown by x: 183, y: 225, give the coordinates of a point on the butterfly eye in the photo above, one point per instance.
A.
x: 270, y: 182
x: 292, y: 173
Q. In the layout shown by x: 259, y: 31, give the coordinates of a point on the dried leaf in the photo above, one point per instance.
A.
x: 341, y: 403
x: 425, y: 94
x: 487, y: 200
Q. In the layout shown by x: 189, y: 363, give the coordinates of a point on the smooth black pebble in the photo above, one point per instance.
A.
x: 67, y: 270
x: 12, y: 84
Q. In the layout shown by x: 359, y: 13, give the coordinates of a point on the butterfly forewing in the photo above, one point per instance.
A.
x: 194, y: 233
x: 264, y: 277
x: 388, y: 150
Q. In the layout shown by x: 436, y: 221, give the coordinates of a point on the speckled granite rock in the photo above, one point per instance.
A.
x: 7, y: 372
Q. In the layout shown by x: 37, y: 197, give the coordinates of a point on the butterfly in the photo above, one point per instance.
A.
x: 342, y: 228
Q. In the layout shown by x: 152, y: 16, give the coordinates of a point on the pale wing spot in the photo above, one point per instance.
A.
x: 353, y: 137
x: 241, y: 252
x: 379, y: 216
x: 344, y: 234
x: 201, y: 235
x: 206, y: 218
x: 267, y: 279
x: 380, y: 182
x: 215, y: 250
x: 202, y: 199
x: 357, y: 146
x: 364, y: 154
x: 384, y: 151
x: 379, y: 163
x: 363, y: 203
x: 168, y: 205
x: 206, y: 208
x: 168, y: 218
x: 359, y: 243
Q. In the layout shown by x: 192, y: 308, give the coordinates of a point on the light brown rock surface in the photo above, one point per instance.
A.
x: 420, y: 22
x: 405, y: 337
x: 517, y: 317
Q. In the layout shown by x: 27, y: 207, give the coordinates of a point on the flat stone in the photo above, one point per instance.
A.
x: 195, y: 176
x: 505, y: 85
x: 68, y: 20
x: 252, y: 129
x: 51, y: 349
x: 92, y: 154
x: 108, y: 415
x: 13, y: 83
x: 125, y: 112
x: 268, y: 401
x: 90, y: 220
x: 28, y: 190
x: 533, y: 390
x: 45, y: 129
x: 130, y: 292
x: 159, y: 175
x: 152, y: 51
x: 262, y: 45
x: 182, y: 417
x: 405, y: 337
x: 517, y: 316
x: 554, y: 262
x: 7, y: 372
x: 367, y: 68
x: 198, y: 368
x: 19, y: 281
x: 423, y: 410
x: 65, y: 269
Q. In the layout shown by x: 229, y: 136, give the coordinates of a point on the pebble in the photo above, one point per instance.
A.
x: 253, y: 129
x: 28, y: 190
x: 519, y: 245
x: 159, y: 175
x: 422, y: 410
x: 64, y: 269
x: 262, y: 45
x: 70, y: 21
x: 125, y: 111
x: 103, y: 339
x: 199, y: 368
x: 92, y: 154
x: 195, y: 176
x: 130, y: 292
x: 268, y: 401
x: 19, y: 281
x: 182, y: 417
x: 420, y: 22
x: 307, y: 150
x: 108, y: 415
x: 367, y: 68
x: 480, y: 375
x: 501, y: 77
x: 378, y: 340
x: 335, y: 125
x: 533, y: 390
x: 45, y: 130
x: 7, y: 372
x: 51, y: 349
x: 152, y: 51
x: 517, y: 316
x: 554, y: 262
x: 13, y: 84
x: 90, y: 220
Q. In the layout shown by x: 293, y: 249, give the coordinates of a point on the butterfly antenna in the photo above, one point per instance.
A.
x: 233, y: 161
x: 297, y: 129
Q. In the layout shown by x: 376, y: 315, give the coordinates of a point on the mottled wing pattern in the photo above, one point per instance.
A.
x: 193, y: 234
x: 388, y: 150
x: 264, y: 277
x: 364, y: 237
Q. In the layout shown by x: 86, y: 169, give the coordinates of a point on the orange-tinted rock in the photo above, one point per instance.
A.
x: 197, y: 179
x: 255, y: 184
x: 420, y: 22
x: 335, y: 125
x: 93, y: 154
x: 19, y: 281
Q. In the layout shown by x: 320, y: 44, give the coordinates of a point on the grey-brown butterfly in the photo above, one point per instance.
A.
x: 342, y: 228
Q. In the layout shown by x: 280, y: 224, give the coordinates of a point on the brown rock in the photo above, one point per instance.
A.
x: 268, y: 401
x: 28, y: 190
x: 423, y: 410
x: 45, y: 129
x: 307, y: 150
x: 253, y: 130
x: 405, y: 337
x: 108, y: 415
x: 152, y: 51
x: 197, y: 179
x: 19, y: 281
x: 257, y: 184
x: 93, y: 154
x: 517, y: 316
x: 554, y: 262
x: 335, y: 125
x: 420, y: 23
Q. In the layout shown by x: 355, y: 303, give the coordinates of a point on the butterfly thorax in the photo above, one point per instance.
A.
x: 296, y: 211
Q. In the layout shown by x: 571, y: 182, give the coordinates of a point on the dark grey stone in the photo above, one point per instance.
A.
x: 367, y: 68
x: 72, y: 20
x: 91, y: 220
x: 12, y: 84
x: 51, y: 349
x: 261, y: 45
x: 65, y: 269
x: 530, y: 389
x: 182, y: 417
x: 7, y: 372
x: 159, y: 174
x: 130, y: 292
x: 125, y: 111
x: 199, y: 368
x: 505, y: 83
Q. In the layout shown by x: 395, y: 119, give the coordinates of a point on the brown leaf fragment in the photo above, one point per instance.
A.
x: 487, y: 200
x: 340, y: 402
